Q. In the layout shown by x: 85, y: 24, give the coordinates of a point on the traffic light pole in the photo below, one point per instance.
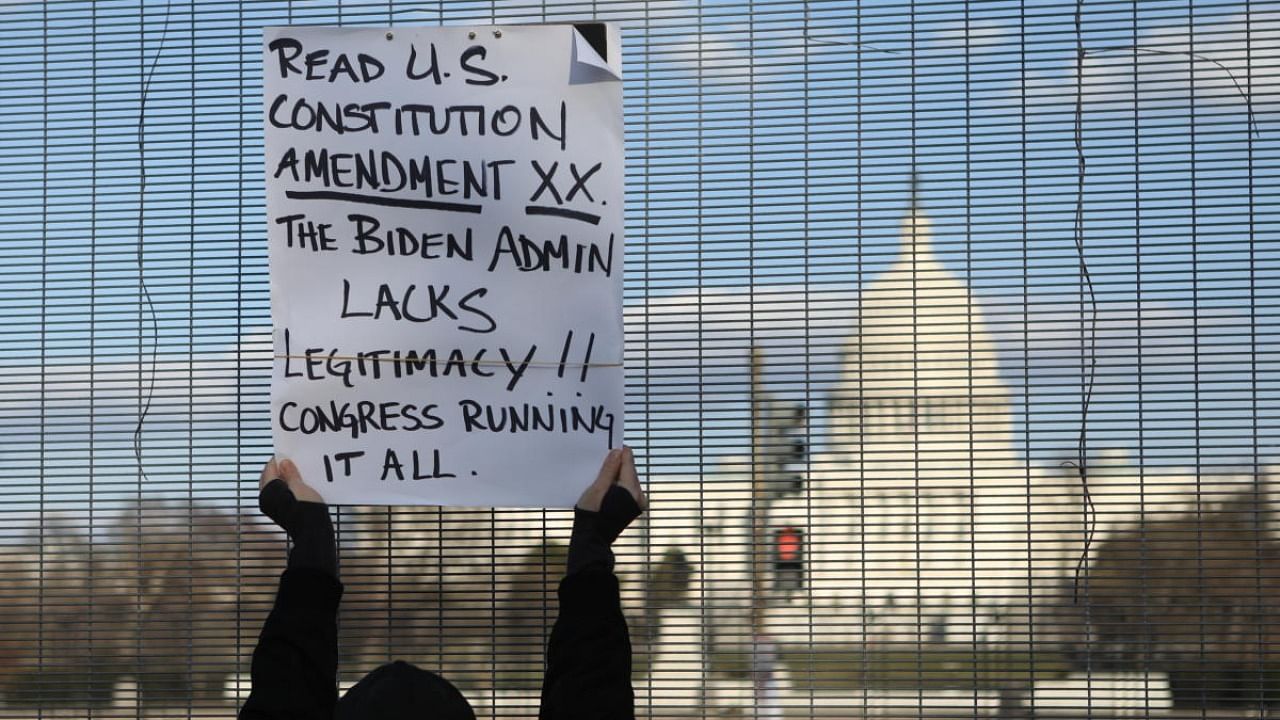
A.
x: 760, y: 464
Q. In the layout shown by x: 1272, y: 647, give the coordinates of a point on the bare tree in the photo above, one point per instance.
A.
x: 189, y: 573
x: 65, y: 621
x: 1194, y: 596
x: 528, y: 608
x: 666, y: 585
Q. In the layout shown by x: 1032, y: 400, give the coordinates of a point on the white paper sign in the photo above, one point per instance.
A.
x: 444, y: 210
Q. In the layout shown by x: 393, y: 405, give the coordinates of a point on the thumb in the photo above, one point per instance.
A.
x: 289, y: 472
x: 293, y: 478
x: 270, y: 472
x: 628, y: 479
x: 609, y: 469
x: 594, y: 494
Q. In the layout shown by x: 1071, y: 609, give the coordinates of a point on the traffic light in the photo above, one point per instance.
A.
x: 790, y: 446
x: 788, y: 558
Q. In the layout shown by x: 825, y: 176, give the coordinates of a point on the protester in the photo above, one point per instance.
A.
x: 295, y: 665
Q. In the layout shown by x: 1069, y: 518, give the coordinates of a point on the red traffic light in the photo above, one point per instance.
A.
x: 789, y: 543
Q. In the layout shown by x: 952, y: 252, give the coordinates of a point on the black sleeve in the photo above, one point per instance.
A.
x: 295, y: 666
x: 307, y: 524
x: 589, y: 655
x: 594, y: 531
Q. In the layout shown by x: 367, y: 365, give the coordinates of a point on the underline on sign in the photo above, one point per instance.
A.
x: 386, y: 201
x: 561, y: 212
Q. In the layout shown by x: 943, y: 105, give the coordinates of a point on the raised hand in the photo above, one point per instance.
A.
x: 286, y: 471
x: 619, y: 468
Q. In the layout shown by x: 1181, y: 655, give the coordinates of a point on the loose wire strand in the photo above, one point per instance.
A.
x: 1089, y: 320
x: 149, y: 393
x: 1139, y: 49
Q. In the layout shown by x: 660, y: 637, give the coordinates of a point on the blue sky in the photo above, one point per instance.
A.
x: 769, y: 146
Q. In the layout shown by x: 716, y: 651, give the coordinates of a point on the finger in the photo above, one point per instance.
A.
x: 627, y: 475
x: 629, y: 478
x: 609, y: 468
x: 270, y: 472
x: 301, y: 490
x: 290, y: 472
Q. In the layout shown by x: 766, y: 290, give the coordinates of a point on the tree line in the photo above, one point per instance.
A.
x: 1189, y: 595
x: 172, y: 595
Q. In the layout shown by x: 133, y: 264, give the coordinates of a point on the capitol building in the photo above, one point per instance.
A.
x: 919, y: 520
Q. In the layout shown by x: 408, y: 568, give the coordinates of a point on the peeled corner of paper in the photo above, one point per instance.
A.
x: 597, y: 53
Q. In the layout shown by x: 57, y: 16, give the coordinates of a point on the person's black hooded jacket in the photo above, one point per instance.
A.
x: 295, y: 665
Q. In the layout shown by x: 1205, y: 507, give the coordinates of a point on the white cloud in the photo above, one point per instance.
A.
x: 1055, y: 325
x: 1219, y: 63
x: 114, y: 383
x: 68, y: 422
x: 712, y: 330
x: 708, y: 56
x: 977, y: 34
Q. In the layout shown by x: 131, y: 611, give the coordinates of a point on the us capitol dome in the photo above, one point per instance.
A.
x: 927, y: 525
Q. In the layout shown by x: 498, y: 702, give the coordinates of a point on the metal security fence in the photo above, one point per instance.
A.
x: 951, y: 366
